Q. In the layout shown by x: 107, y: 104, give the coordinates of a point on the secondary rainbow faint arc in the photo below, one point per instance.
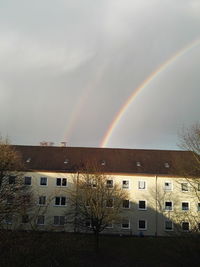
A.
x: 152, y: 76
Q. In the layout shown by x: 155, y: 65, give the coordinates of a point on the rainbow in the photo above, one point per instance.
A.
x: 118, y: 116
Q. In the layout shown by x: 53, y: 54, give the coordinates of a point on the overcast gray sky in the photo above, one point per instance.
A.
x: 67, y: 67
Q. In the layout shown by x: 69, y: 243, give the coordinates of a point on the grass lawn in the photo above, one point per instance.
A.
x: 27, y: 249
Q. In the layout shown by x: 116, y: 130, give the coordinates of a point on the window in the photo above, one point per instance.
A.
x: 43, y: 180
x: 11, y: 179
x: 109, y: 183
x: 198, y: 226
x: 27, y: 180
x: 59, y: 220
x: 198, y: 206
x: 125, y: 184
x: 61, y: 181
x: 60, y: 201
x: 168, y: 186
x: 185, y: 226
x: 198, y: 186
x: 42, y: 200
x: 141, y: 185
x: 109, y: 225
x: 8, y: 219
x: 185, y: 206
x: 138, y: 164
x: 142, y: 205
x: 142, y: 225
x: 25, y: 218
x: 184, y: 187
x: 109, y: 203
x: 125, y: 224
x: 168, y: 205
x: 26, y: 199
x: 166, y: 165
x: 10, y: 200
x: 168, y: 225
x: 88, y: 223
x: 40, y: 220
x: 126, y: 204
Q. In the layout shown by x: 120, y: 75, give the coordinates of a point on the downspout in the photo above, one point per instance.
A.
x: 76, y: 230
x: 156, y: 215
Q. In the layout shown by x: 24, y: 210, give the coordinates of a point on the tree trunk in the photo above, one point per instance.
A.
x: 96, y: 236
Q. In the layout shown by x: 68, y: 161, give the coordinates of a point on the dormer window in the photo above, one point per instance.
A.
x: 166, y: 165
x: 66, y: 161
x: 138, y: 164
x: 28, y: 160
x: 103, y: 162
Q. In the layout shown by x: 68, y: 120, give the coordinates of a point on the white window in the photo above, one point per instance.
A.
x: 142, y: 225
x: 59, y: 220
x: 125, y: 184
x: 109, y: 203
x: 198, y: 206
x: 141, y: 184
x: 125, y: 224
x: 42, y: 200
x: 168, y: 205
x: 40, y: 220
x: 185, y: 226
x: 168, y: 186
x: 166, y: 165
x: 185, y: 205
x: 60, y: 201
x: 184, y: 187
x: 109, y: 183
x: 27, y: 180
x: 61, y: 181
x: 168, y: 225
x: 142, y: 205
x: 126, y: 204
x: 43, y: 181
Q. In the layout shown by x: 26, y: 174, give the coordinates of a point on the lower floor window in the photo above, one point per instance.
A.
x: 59, y: 220
x: 125, y: 224
x: 25, y: 218
x: 185, y: 226
x: 142, y: 225
x: 40, y: 220
x: 168, y: 225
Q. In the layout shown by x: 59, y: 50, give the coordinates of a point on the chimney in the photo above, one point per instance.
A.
x: 63, y: 144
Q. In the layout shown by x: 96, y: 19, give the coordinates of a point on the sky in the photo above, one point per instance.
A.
x: 67, y: 68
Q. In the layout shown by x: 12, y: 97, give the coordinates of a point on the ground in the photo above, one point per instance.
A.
x: 28, y: 249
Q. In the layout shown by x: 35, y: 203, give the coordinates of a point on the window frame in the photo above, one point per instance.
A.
x: 166, y: 189
x: 30, y: 180
x: 182, y: 205
x: 188, y: 226
x: 59, y: 216
x: 123, y: 206
x: 168, y: 230
x: 139, y: 205
x: 39, y: 216
x: 126, y: 180
x: 39, y: 198
x: 145, y: 185
x: 110, y: 186
x: 125, y: 228
x: 60, y: 201
x: 182, y: 187
x: 46, y: 180
x: 61, y: 182
x: 142, y: 229
x: 166, y: 206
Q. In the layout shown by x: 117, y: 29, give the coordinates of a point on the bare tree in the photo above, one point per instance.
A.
x: 13, y: 193
x: 95, y: 202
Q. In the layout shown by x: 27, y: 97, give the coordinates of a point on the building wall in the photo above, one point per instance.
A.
x: 163, y: 196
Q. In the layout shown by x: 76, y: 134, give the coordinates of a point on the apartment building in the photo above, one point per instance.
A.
x: 161, y: 201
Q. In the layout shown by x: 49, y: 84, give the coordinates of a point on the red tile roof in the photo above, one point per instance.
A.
x: 109, y: 160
